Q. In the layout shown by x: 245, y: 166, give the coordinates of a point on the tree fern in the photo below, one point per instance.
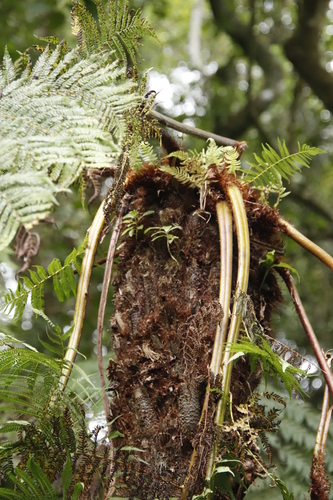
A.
x: 272, y: 167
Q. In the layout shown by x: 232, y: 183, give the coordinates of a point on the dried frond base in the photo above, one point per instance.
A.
x: 320, y: 483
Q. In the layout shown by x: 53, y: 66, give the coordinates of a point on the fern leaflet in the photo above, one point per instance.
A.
x: 271, y: 362
x: 272, y: 167
x: 194, y: 168
x: 64, y: 285
x: 119, y: 29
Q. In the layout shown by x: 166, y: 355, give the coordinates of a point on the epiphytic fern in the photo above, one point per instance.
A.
x: 270, y: 169
x: 64, y: 285
x: 271, y: 363
x: 193, y: 170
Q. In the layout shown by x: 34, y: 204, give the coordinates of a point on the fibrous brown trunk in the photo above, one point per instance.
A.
x: 166, y: 313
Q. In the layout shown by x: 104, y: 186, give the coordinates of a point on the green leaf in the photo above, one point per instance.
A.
x: 272, y: 167
x: 66, y: 476
x: 131, y: 448
x: 261, y: 352
x: 41, y: 478
x: 204, y: 495
x: 14, y: 425
x: 78, y: 488
x: 115, y: 434
x: 7, y: 494
x: 51, y: 347
x: 27, y: 484
x: 283, y: 488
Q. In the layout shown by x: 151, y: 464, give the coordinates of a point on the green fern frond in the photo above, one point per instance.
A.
x: 146, y: 154
x: 17, y: 394
x: 192, y: 178
x: 272, y: 167
x: 24, y: 198
x: 219, y: 155
x: 193, y: 170
x: 30, y: 379
x: 8, y: 71
x: 50, y: 425
x: 119, y: 29
x: 34, y: 485
x: 69, y: 111
x: 64, y: 285
x: 271, y: 363
x: 183, y: 156
x: 58, y: 117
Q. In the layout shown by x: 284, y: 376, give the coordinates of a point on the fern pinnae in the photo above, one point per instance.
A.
x: 272, y: 167
x: 7, y: 72
x: 64, y: 285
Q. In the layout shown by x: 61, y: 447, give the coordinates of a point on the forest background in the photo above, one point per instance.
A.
x: 249, y: 70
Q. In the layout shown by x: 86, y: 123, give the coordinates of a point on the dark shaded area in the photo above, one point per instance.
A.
x: 302, y: 49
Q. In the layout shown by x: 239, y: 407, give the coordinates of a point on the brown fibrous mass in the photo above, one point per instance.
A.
x: 164, y: 325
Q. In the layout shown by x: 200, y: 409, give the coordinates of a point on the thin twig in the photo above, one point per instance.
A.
x: 307, y: 327
x: 102, y: 304
x: 202, y: 134
x: 302, y: 240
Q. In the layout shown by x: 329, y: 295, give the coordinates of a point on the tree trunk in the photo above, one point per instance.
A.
x: 166, y: 313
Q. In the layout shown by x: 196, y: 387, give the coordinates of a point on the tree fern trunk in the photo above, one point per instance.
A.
x: 166, y: 313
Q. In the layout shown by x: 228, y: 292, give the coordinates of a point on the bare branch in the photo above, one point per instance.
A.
x: 307, y: 327
x: 202, y: 134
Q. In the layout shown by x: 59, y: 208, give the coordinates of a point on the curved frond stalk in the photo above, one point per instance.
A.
x: 302, y: 240
x: 94, y: 235
x: 101, y: 310
x: 225, y: 229
x: 243, y: 239
x: 320, y: 484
